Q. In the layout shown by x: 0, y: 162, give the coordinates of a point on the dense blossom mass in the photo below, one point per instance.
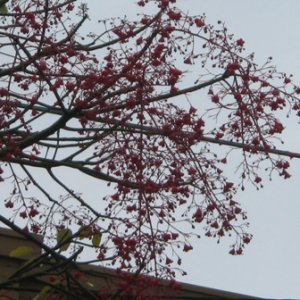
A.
x: 114, y: 105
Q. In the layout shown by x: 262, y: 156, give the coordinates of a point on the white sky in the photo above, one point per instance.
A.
x: 270, y: 266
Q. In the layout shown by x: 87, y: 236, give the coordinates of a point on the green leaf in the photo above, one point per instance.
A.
x: 85, y: 232
x: 96, y: 240
x: 63, y: 238
x: 21, y: 251
x: 42, y: 293
x: 3, y: 9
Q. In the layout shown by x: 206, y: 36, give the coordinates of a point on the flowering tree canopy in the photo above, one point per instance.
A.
x: 141, y: 106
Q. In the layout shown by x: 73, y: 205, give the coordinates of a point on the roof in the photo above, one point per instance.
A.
x: 95, y: 277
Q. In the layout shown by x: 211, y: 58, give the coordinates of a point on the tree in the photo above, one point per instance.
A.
x: 106, y: 105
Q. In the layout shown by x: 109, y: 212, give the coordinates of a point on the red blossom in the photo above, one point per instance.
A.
x: 187, y: 248
x: 228, y: 186
x: 240, y: 42
x: 173, y: 15
x: 9, y: 204
x: 199, y: 22
x: 198, y: 215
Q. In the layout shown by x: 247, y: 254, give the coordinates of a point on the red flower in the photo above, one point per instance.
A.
x: 176, y: 16
x: 199, y: 22
x: 187, y: 248
x: 240, y: 42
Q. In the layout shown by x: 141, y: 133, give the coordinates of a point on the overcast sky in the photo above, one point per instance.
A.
x: 270, y: 266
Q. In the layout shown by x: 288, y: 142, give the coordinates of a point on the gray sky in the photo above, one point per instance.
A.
x: 270, y: 266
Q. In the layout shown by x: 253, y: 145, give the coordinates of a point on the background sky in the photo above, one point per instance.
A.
x: 270, y: 266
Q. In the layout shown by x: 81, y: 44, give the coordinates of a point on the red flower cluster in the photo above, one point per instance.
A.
x: 111, y: 105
